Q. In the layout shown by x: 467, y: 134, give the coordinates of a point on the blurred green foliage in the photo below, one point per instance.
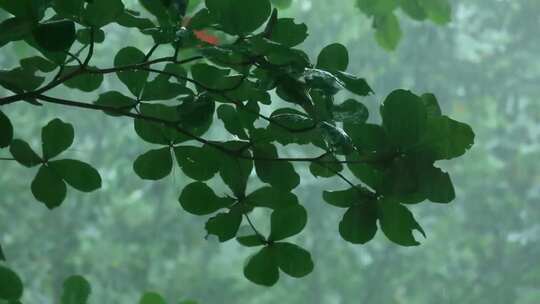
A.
x: 129, y: 237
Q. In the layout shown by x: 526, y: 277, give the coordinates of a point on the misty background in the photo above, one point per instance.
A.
x: 132, y: 235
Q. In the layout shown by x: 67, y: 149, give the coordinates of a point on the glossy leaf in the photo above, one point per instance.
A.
x: 351, y: 111
x: 154, y: 164
x: 77, y: 174
x: 354, y: 84
x: 49, y: 188
x: 56, y: 137
x: 286, y: 222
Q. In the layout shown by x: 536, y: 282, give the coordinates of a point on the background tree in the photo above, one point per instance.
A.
x: 107, y: 230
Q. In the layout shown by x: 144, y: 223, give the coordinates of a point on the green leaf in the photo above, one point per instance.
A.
x: 247, y: 237
x: 327, y: 166
x: 134, y: 80
x: 152, y: 298
x: 371, y: 174
x: 398, y: 223
x: 198, y: 163
x: 336, y: 139
x: 84, y: 36
x: 231, y: 120
x: 38, y: 63
x: 56, y: 137
x: 157, y: 132
x: 322, y: 80
x: 154, y: 164
x: 262, y: 267
x: 359, y: 223
x: 272, y: 198
x: 131, y: 19
x: 224, y: 225
x: 117, y: 101
x: 197, y: 114
x: 235, y: 171
x: 239, y: 17
x: 11, y: 287
x: 26, y: 9
x: 404, y: 118
x: 49, y: 188
x: 351, y: 111
x: 6, y: 131
x: 199, y: 199
x: 282, y: 4
x: 432, y: 105
x: 387, y: 31
x: 439, y: 11
x: 14, y: 29
x: 76, y: 290
x: 69, y: 8
x: 293, y: 260
x: 19, y: 80
x: 377, y: 7
x: 288, y: 33
x: 347, y: 198
x: 286, y: 222
x: 414, y: 9
x: 209, y: 76
x: 367, y: 137
x: 333, y: 57
x: 437, y: 185
x: 356, y: 85
x: 2, y: 255
x: 23, y: 153
x: 99, y: 13
x: 279, y: 174
x: 77, y: 174
x: 55, y: 36
x: 86, y: 82
x: 445, y: 138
